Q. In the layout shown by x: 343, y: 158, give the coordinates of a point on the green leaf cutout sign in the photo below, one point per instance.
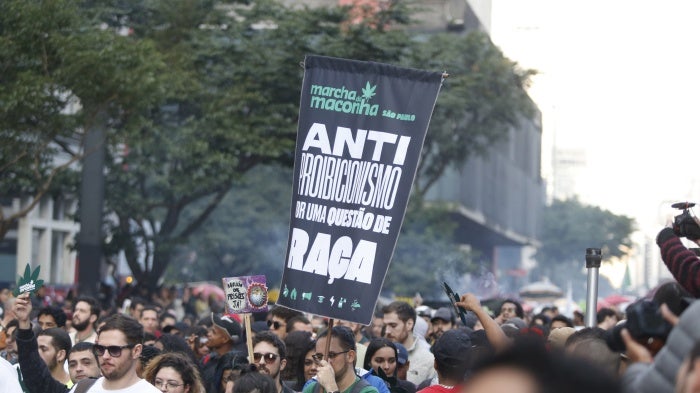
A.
x: 29, y: 282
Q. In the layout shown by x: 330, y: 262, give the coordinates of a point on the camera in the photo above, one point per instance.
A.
x: 644, y: 323
x: 684, y: 224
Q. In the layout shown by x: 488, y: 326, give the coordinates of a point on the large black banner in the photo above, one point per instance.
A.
x: 361, y: 131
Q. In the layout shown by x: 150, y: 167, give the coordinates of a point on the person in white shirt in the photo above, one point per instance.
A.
x: 118, y: 347
x: 8, y: 376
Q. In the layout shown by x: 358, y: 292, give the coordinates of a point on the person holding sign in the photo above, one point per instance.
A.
x: 336, y: 369
x: 41, y: 357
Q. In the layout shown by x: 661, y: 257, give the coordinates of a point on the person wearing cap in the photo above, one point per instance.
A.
x: 399, y: 321
x: 402, y: 361
x: 425, y: 313
x: 442, y: 321
x: 453, y: 352
x: 223, y: 335
x: 177, y: 329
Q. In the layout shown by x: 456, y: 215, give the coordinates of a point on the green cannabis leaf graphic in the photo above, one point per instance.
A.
x: 368, y: 91
x: 29, y: 282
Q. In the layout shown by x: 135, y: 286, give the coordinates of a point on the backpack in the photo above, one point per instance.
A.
x: 356, y: 388
x: 84, y: 385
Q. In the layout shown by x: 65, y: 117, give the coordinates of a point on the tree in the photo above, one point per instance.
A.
x: 569, y: 227
x: 426, y: 255
x: 199, y: 93
x: 245, y: 235
x: 233, y: 106
x: 242, y: 110
x: 58, y: 73
x: 483, y: 97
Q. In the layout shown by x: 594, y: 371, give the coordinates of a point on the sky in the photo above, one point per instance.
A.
x: 619, y: 79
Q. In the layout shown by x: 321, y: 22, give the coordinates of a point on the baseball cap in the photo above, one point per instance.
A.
x: 259, y: 326
x: 179, y: 326
x: 453, y: 348
x: 557, y: 337
x: 516, y: 322
x: 421, y: 327
x: 445, y: 314
x: 401, y: 354
x: 232, y: 328
x: 424, y: 311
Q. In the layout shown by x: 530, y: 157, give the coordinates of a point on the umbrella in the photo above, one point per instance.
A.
x: 617, y: 299
x: 541, y: 289
x: 208, y: 289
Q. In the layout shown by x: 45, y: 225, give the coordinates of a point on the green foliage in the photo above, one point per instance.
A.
x: 425, y: 254
x: 199, y: 94
x: 246, y: 234
x: 569, y: 227
x: 57, y: 73
x: 233, y: 106
x: 483, y: 97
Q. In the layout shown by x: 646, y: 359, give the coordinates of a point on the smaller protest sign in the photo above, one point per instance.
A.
x: 245, y: 294
x: 29, y: 282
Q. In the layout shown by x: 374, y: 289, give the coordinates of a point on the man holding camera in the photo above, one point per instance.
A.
x: 683, y: 263
x: 654, y: 374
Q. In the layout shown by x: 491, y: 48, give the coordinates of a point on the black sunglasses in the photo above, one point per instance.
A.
x: 331, y: 355
x: 269, y: 357
x: 274, y: 324
x: 114, y: 350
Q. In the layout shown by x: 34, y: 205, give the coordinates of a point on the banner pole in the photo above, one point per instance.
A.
x: 328, y: 339
x: 248, y: 336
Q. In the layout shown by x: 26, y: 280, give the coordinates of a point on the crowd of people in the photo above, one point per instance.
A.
x: 160, y: 346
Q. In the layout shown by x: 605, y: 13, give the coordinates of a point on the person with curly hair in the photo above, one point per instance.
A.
x: 174, y: 372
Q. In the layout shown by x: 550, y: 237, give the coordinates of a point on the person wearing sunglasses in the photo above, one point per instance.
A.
x: 277, y: 319
x: 118, y: 348
x: 174, y: 372
x: 270, y: 357
x: 336, y: 369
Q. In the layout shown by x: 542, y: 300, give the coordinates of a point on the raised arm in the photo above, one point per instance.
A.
x: 35, y: 373
x: 494, y: 333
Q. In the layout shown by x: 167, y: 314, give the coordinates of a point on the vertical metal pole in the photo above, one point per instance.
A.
x: 593, y: 259
x: 91, y: 204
